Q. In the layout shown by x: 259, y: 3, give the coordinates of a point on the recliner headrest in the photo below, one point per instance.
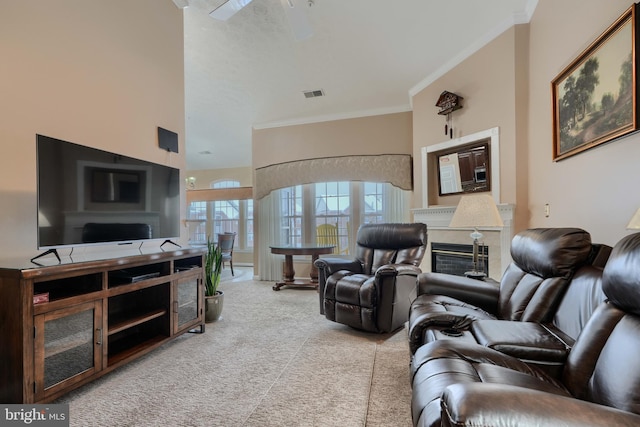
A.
x: 621, y: 274
x: 392, y: 236
x: 551, y: 252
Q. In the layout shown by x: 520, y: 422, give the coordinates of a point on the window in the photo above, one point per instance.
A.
x: 291, y: 215
x: 208, y: 218
x: 197, y: 222
x: 234, y: 216
x: 373, y: 202
x: 247, y: 235
x: 343, y: 204
x: 332, y: 207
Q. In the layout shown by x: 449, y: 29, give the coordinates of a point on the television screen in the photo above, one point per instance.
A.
x: 86, y: 196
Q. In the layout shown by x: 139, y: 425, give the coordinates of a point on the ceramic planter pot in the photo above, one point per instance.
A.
x: 213, y: 307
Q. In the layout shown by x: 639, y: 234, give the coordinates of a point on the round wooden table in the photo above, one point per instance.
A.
x: 289, y: 251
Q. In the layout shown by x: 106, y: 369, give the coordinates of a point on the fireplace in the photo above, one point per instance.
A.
x: 496, y: 239
x: 452, y: 258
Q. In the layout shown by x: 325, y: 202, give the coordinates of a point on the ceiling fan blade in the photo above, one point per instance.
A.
x: 297, y: 16
x: 229, y: 8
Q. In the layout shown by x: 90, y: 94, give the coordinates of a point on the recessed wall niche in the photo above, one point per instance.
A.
x: 430, y: 155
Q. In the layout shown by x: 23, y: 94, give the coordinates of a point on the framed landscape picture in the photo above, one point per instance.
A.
x: 594, y: 98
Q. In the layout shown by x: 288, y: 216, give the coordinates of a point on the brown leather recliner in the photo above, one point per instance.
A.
x: 544, y: 260
x: 373, y: 291
x: 456, y: 383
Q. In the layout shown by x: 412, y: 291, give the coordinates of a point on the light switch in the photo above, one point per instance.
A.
x: 547, y: 210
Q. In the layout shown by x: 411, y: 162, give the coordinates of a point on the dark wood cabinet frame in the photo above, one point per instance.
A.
x: 128, y: 315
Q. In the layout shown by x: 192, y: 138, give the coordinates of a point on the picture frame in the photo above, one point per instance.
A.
x: 594, y: 97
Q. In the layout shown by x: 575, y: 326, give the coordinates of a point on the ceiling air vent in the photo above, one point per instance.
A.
x: 313, y: 93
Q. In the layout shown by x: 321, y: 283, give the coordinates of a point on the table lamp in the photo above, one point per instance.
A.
x: 477, y: 210
x: 634, y: 223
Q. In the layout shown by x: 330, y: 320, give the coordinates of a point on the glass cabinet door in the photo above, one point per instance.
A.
x: 187, y: 303
x: 68, y: 346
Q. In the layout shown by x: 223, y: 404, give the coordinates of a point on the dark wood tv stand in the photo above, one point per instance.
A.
x: 67, y: 324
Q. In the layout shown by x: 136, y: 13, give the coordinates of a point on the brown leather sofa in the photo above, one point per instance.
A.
x: 544, y: 261
x: 373, y: 291
x: 546, y: 345
x: 458, y: 383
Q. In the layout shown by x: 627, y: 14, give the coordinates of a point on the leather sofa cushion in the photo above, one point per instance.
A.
x: 356, y: 289
x: 528, y: 341
x: 582, y: 297
x: 351, y: 299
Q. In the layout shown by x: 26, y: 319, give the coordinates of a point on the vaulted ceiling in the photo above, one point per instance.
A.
x: 367, y: 56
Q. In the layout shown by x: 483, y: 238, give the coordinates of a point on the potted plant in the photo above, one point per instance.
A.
x: 213, y: 298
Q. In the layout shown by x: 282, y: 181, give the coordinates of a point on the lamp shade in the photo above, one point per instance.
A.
x: 477, y: 210
x: 634, y: 223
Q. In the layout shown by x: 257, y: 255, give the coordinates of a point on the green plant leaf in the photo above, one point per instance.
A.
x: 212, y: 267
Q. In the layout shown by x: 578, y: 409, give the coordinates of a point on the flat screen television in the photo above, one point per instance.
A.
x: 89, y: 196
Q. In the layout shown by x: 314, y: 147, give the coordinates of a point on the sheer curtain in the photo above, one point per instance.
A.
x: 397, y: 204
x: 269, y: 265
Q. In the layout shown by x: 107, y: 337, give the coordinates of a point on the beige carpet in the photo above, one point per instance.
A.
x: 272, y: 360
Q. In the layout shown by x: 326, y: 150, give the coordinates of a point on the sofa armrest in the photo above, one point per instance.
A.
x: 409, y: 270
x: 331, y: 265
x: 398, y: 270
x: 395, y: 285
x: 505, y: 405
x: 480, y: 293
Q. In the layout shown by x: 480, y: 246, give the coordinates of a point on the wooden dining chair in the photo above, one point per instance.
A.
x: 225, y: 242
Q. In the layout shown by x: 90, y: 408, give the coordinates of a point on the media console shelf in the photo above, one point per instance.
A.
x: 64, y: 325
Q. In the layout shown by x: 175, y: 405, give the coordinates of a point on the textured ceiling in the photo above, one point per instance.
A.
x: 366, y: 55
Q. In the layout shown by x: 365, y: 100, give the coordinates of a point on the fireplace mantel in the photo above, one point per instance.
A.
x: 498, y: 239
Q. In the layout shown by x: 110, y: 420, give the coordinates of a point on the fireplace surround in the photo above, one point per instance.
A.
x: 497, y: 239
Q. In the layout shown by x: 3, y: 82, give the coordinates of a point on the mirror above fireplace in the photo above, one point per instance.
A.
x: 465, y: 170
x: 476, y: 167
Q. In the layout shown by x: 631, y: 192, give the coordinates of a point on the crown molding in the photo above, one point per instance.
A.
x: 517, y: 18
x: 333, y: 117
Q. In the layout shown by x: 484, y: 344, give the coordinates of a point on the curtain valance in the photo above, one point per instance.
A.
x: 395, y: 169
